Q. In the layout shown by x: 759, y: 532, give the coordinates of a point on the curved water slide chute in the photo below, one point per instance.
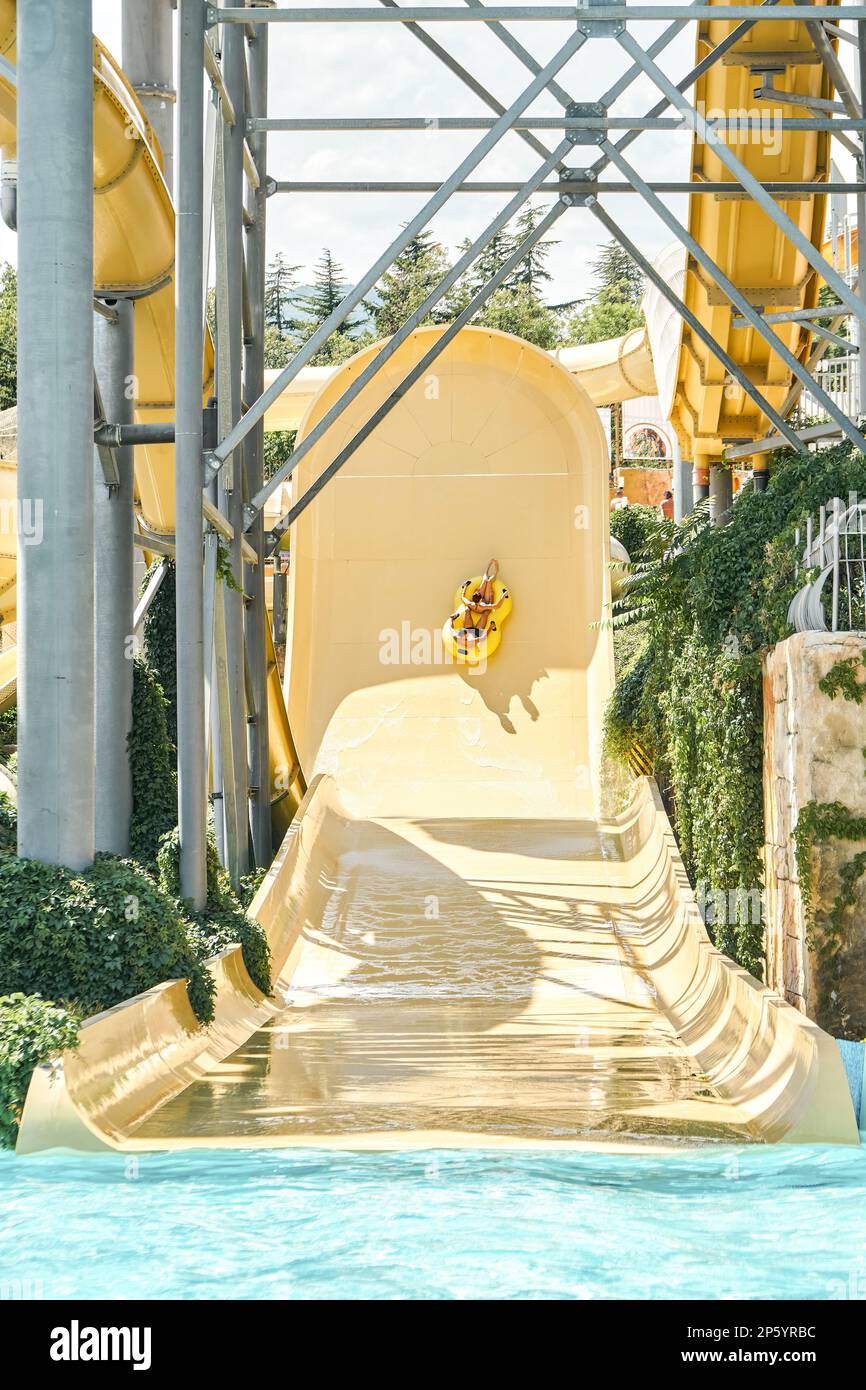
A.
x: 464, y: 950
x: 134, y: 257
x: 706, y: 407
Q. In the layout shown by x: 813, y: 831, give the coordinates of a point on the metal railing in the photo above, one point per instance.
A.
x: 833, y: 557
x: 840, y: 378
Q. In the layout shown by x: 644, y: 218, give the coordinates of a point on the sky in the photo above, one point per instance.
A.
x: 382, y: 70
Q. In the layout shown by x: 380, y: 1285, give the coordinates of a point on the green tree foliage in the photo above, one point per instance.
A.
x: 32, y: 1030
x: 415, y: 272
x: 614, y: 305
x: 517, y: 305
x: 278, y: 446
x: 520, y: 311
x: 280, y: 287
x: 329, y: 289
x: 712, y: 601
x: 8, y: 337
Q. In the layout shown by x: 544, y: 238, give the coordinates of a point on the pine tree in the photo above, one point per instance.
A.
x: 329, y: 289
x: 613, y: 267
x: 415, y: 273
x: 532, y: 271
x: 280, y: 285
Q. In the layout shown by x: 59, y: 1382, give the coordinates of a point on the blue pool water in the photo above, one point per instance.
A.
x: 758, y: 1222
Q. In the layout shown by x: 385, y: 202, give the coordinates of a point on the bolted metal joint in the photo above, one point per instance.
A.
x: 586, y: 111
x: 211, y: 466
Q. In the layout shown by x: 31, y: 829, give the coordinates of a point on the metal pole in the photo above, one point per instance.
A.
x: 147, y: 62
x: 254, y: 384
x: 56, y: 818
x: 316, y: 340
x: 114, y: 589
x: 861, y: 222
x: 721, y: 494
x: 189, y: 349
x: 229, y: 339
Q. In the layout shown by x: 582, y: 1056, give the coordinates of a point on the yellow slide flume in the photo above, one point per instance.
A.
x: 134, y: 256
x: 464, y: 950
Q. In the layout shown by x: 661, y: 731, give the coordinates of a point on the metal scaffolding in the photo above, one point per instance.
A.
x: 223, y: 190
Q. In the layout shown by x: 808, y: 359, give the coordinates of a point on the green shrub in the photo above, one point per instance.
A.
x: 94, y: 938
x: 8, y: 727
x: 31, y: 1031
x: 152, y: 764
x: 712, y: 601
x: 8, y: 825
x: 633, y: 526
x: 224, y: 921
x: 160, y: 645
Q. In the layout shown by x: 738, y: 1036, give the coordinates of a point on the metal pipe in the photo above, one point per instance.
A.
x: 189, y: 350
x: 317, y: 339
x: 605, y: 122
x: 9, y: 193
x: 114, y: 591
x: 750, y: 314
x: 394, y: 342
x: 254, y: 381
x: 56, y: 817
x: 476, y: 302
x: 518, y: 14
x: 231, y: 480
x: 728, y: 189
x: 148, y: 63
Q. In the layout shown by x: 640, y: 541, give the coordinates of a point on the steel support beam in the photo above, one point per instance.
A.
x: 148, y: 63
x: 861, y: 218
x: 254, y: 383
x: 565, y: 185
x: 56, y: 816
x: 114, y: 590
x: 394, y: 342
x: 517, y: 14
x: 230, y: 275
x: 462, y: 320
x: 189, y: 350
x: 352, y: 125
x: 257, y: 410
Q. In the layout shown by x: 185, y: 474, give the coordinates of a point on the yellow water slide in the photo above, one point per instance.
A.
x: 465, y: 949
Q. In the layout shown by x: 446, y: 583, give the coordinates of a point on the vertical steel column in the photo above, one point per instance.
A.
x: 147, y: 62
x: 55, y: 432
x: 721, y: 494
x: 188, y: 350
x: 254, y: 384
x: 114, y: 591
x: 861, y: 217
x: 230, y: 333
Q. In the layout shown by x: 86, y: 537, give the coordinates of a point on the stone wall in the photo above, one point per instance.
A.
x: 813, y: 751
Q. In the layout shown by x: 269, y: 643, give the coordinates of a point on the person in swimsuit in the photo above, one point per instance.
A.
x: 480, y: 607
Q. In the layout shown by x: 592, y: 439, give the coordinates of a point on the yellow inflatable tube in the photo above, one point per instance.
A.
x: 471, y: 645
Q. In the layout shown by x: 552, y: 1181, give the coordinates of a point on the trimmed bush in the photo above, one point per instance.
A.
x: 224, y: 921
x: 31, y: 1031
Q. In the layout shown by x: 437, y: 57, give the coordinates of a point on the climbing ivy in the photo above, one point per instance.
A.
x: 152, y: 761
x: 842, y: 680
x: 159, y: 643
x: 712, y: 601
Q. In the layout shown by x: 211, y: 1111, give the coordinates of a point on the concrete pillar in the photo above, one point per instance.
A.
x: 188, y: 479
x: 700, y: 478
x: 682, y: 471
x: 721, y: 494
x: 147, y: 62
x: 55, y: 432
x: 254, y: 383
x: 114, y: 590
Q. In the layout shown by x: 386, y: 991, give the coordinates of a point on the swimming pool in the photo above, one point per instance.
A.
x: 753, y: 1222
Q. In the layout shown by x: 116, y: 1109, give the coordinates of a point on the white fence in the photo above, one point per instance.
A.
x: 833, y: 559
